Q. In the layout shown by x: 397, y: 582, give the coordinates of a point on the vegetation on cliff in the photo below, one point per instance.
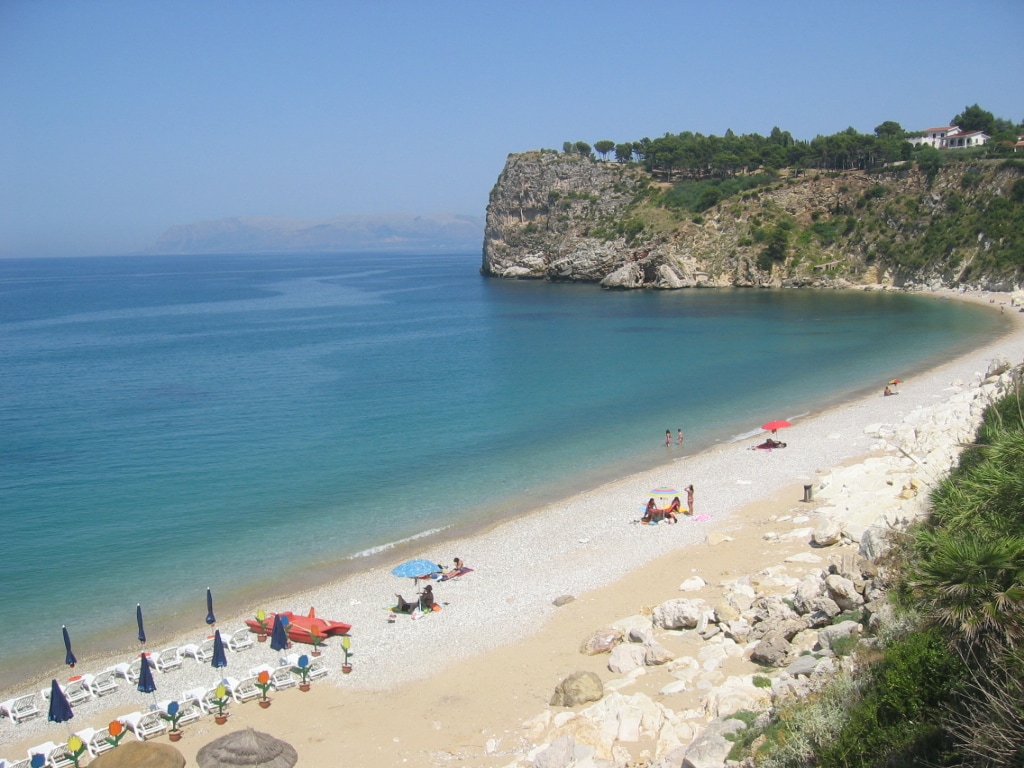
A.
x: 692, y: 210
x: 946, y: 686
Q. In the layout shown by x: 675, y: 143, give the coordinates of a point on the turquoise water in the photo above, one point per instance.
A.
x: 245, y: 422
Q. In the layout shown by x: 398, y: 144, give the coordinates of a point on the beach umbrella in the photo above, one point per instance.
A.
x: 279, y: 635
x: 220, y: 658
x: 248, y: 747
x: 60, y: 710
x: 771, y: 426
x: 140, y: 754
x: 210, y: 618
x: 416, y: 569
x: 138, y: 619
x: 146, y: 682
x: 895, y: 381
x: 69, y: 658
x: 664, y: 490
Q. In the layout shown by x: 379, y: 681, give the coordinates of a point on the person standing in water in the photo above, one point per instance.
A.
x: 668, y: 437
x: 679, y: 438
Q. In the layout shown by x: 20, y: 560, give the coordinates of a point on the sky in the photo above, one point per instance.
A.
x: 121, y: 119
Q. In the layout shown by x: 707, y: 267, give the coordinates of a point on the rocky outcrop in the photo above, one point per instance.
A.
x: 563, y: 217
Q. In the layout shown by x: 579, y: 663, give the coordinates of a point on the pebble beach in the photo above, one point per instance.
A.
x: 457, y: 683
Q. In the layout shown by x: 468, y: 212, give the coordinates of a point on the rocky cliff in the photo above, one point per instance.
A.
x: 563, y: 217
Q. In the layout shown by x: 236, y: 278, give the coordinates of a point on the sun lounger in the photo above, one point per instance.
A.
x: 129, y: 670
x: 201, y: 652
x: 144, y: 724
x: 188, y: 711
x: 202, y: 697
x: 103, y: 683
x: 168, y: 659
x: 282, y: 678
x: 317, y: 666
x: 56, y: 754
x: 240, y: 640
x: 95, y: 740
x: 242, y: 690
x: 26, y: 763
x: 21, y: 708
x: 75, y: 692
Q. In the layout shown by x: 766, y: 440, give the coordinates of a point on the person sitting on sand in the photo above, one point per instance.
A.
x: 652, y: 514
x: 769, y: 443
x: 425, y: 602
x: 889, y: 392
x: 459, y: 569
x: 672, y: 509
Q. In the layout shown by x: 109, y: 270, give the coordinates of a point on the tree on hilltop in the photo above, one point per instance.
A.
x: 603, y: 147
x: 974, y: 118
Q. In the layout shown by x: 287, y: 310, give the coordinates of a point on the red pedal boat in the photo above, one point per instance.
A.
x: 302, y: 628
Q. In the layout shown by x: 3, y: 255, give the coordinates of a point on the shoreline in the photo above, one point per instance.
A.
x: 585, y: 543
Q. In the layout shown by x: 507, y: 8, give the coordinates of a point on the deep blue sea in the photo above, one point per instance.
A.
x: 252, y: 423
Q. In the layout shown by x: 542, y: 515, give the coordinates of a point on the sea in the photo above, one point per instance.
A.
x: 256, y: 424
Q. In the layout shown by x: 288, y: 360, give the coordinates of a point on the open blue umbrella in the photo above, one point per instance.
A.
x: 146, y: 682
x: 138, y: 618
x: 69, y: 658
x: 60, y: 710
x: 279, y: 635
x: 210, y: 618
x: 220, y: 658
x: 414, y: 569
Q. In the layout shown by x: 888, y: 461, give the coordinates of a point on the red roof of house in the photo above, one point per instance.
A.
x: 940, y: 128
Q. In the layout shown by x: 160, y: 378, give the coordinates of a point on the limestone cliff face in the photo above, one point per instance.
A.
x: 562, y: 217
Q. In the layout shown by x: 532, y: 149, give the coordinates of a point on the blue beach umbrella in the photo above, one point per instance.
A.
x: 414, y: 569
x: 69, y: 658
x: 279, y: 635
x: 146, y: 682
x: 220, y: 658
x: 60, y: 710
x: 138, y: 618
x: 210, y: 618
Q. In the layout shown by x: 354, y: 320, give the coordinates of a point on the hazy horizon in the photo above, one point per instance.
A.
x: 121, y: 121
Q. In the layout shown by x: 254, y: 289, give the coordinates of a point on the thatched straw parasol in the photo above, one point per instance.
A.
x: 140, y: 754
x: 248, y: 747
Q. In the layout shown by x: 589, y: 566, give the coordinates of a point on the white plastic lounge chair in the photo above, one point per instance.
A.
x: 95, y: 740
x: 282, y: 678
x: 21, y: 708
x: 188, y: 711
x: 201, y: 652
x: 144, y: 724
x: 103, y: 683
x: 203, y: 698
x: 240, y: 640
x: 56, y: 754
x: 75, y: 692
x: 241, y: 690
x: 168, y: 659
x: 26, y: 763
x: 129, y: 670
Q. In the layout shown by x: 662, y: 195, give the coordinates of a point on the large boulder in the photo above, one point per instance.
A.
x: 843, y: 591
x: 601, y: 641
x: 578, y: 688
x: 711, y: 748
x: 679, y: 613
x: 772, y: 651
x: 626, y: 657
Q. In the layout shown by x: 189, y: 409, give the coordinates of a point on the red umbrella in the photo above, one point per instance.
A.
x: 771, y: 426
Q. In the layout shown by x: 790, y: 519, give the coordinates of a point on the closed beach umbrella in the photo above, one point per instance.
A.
x: 60, y: 710
x: 210, y: 618
x: 220, y: 659
x: 248, y: 747
x: 69, y: 657
x: 279, y: 635
x: 146, y: 682
x: 140, y: 754
x: 138, y: 619
x: 771, y: 426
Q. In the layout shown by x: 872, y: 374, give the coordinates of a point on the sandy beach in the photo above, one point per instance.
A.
x: 456, y: 686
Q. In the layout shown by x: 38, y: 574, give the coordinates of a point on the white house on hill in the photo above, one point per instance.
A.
x: 950, y: 137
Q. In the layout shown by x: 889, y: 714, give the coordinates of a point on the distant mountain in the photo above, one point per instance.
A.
x: 380, y: 232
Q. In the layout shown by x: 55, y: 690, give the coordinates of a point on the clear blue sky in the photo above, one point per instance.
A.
x: 120, y: 119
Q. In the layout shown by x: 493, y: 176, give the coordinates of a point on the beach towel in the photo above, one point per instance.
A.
x: 456, y: 574
x: 701, y: 518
